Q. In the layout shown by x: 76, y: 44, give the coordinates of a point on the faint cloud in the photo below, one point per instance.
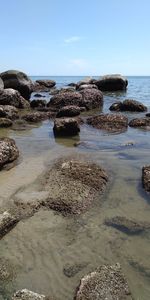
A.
x: 72, y: 39
x: 78, y: 62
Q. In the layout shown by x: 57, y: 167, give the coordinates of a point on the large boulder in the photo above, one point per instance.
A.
x: 140, y: 122
x: 65, y: 99
x: 106, y: 282
x: 1, y: 84
x: 112, y: 83
x: 109, y: 122
x: 13, y: 97
x: 8, y: 151
x: 146, y: 178
x: 128, y: 105
x: 68, y: 111
x: 28, y: 295
x: 91, y: 98
x: 66, y: 127
x: 9, y: 111
x: 127, y: 225
x: 18, y: 81
x: 7, y: 222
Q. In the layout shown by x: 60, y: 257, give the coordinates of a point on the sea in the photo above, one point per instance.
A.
x: 37, y: 251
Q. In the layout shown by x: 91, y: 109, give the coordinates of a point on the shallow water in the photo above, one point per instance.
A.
x: 40, y: 247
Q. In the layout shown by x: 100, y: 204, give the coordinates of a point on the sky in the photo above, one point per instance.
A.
x: 80, y: 37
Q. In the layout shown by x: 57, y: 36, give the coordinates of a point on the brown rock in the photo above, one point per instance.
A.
x: 66, y: 126
x: 143, y: 122
x: 128, y: 105
x: 112, y: 83
x: 92, y: 98
x: 9, y: 111
x: 146, y: 178
x: 65, y: 99
x: 7, y: 222
x: 109, y: 122
x: 13, y: 97
x: 68, y: 111
x: 8, y: 151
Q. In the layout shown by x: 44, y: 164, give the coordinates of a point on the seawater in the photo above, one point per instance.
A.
x: 40, y: 247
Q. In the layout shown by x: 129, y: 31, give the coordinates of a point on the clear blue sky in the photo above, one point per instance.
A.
x: 81, y: 37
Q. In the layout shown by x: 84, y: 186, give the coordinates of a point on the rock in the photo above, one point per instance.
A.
x: 128, y: 105
x: 6, y: 270
x: 47, y: 83
x: 13, y: 98
x: 73, y: 185
x: 87, y: 86
x: 65, y: 99
x: 71, y: 270
x: 20, y: 125
x: 34, y: 117
x: 9, y: 111
x: 1, y: 84
x: 38, y: 103
x: 66, y: 127
x: 91, y: 98
x: 7, y: 222
x: 143, y: 122
x: 109, y: 122
x: 68, y: 111
x: 28, y: 295
x: 18, y: 81
x: 4, y: 122
x: 129, y: 226
x: 86, y: 80
x: 148, y: 115
x: 8, y: 151
x: 146, y: 178
x: 72, y: 84
x: 39, y: 95
x: 107, y: 282
x: 112, y: 83
x: 67, y: 89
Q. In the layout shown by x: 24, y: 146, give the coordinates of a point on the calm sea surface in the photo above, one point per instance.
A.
x: 38, y: 248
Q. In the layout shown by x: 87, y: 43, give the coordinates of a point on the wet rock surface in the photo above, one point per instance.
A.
x: 112, y: 83
x: 107, y: 282
x: 13, y: 97
x: 28, y: 295
x: 140, y: 122
x: 127, y: 225
x: 18, y: 81
x: 9, y: 111
x: 146, y: 178
x: 34, y: 117
x: 8, y: 151
x: 65, y: 99
x: 109, y: 122
x: 68, y: 111
x: 128, y: 105
x: 7, y: 222
x: 66, y: 127
x: 38, y: 103
x: 92, y: 98
x: 5, y: 122
x: 47, y: 83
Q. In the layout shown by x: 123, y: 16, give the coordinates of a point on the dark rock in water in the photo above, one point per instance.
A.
x: 72, y: 84
x: 38, y: 103
x: 146, y: 178
x: 86, y: 80
x: 109, y: 122
x: 13, y: 97
x: 68, y: 111
x: 65, y: 99
x: 8, y: 151
x: 87, y: 86
x: 47, y: 83
x: 128, y: 105
x: 148, y: 115
x: 18, y: 81
x: 7, y: 222
x: 71, y: 270
x: 34, y: 117
x: 92, y: 98
x: 129, y: 226
x: 66, y: 127
x: 143, y: 122
x: 1, y: 84
x: 107, y: 282
x: 112, y: 83
x: 28, y: 295
x: 4, y: 122
x: 39, y: 95
x: 9, y: 111
x: 67, y: 89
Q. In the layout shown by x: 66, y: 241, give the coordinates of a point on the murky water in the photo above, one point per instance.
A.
x: 39, y: 247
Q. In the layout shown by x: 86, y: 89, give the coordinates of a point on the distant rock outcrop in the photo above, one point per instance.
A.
x: 112, y: 83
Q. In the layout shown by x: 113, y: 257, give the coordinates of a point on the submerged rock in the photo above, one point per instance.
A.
x: 68, y: 111
x: 66, y: 127
x: 107, y: 282
x: 28, y: 295
x: 109, y: 122
x: 143, y: 122
x: 129, y: 226
x: 112, y: 83
x: 5, y: 122
x: 6, y: 270
x: 71, y: 270
x: 9, y: 111
x: 146, y: 178
x: 8, y: 151
x: 35, y: 117
x: 18, y: 81
x: 92, y: 98
x: 128, y: 105
x: 13, y: 97
x: 7, y: 222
